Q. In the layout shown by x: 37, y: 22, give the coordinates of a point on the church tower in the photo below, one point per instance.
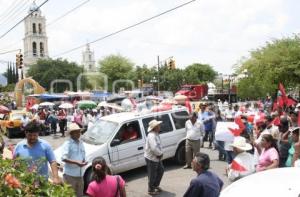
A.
x: 88, y: 59
x: 35, y: 40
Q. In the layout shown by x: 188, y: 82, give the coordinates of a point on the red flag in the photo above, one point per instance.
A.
x: 237, y: 167
x: 239, y: 122
x: 276, y: 121
x: 236, y: 132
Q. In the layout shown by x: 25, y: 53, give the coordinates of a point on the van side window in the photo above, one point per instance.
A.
x: 180, y: 118
x: 166, y: 125
x: 129, y: 132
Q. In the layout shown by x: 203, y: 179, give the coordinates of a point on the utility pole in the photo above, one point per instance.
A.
x: 158, y: 74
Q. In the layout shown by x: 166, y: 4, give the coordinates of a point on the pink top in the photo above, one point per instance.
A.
x: 107, y: 187
x: 266, y: 158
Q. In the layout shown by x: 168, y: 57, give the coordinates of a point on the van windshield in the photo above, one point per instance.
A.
x: 100, y: 132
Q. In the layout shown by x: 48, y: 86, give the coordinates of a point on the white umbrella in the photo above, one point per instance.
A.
x: 66, y: 106
x: 46, y: 104
x: 35, y: 106
x: 266, y: 183
x: 102, y: 104
x: 115, y: 106
x: 180, y: 97
x: 86, y: 102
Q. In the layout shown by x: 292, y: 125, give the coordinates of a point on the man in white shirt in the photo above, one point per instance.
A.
x: 153, y: 156
x: 194, y: 130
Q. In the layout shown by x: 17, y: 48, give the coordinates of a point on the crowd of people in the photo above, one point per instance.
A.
x: 53, y: 121
x: 264, y: 139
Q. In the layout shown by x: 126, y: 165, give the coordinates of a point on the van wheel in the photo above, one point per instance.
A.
x: 9, y: 133
x: 180, y: 155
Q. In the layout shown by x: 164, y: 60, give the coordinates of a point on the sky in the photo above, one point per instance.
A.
x: 214, y: 32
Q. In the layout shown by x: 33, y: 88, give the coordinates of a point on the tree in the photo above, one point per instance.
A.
x: 47, y: 71
x: 277, y: 61
x: 199, y: 73
x: 116, y: 67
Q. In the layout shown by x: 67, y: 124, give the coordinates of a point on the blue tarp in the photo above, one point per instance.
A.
x: 52, y: 96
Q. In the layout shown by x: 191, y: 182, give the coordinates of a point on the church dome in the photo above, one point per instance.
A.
x: 33, y: 7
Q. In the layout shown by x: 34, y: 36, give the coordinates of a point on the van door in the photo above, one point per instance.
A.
x: 166, y: 134
x: 130, y: 147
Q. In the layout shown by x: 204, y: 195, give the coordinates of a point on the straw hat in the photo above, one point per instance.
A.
x: 153, y: 124
x: 73, y: 127
x: 240, y: 143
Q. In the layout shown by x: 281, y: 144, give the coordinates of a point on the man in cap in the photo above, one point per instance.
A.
x: 34, y: 150
x: 243, y: 162
x: 153, y: 156
x: 74, y: 157
x: 207, y: 183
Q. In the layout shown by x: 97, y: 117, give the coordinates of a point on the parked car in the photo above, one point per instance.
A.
x: 11, y: 123
x: 105, y: 139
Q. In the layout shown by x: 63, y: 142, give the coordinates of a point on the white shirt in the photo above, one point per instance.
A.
x: 153, y: 147
x: 194, y: 131
x: 246, y: 161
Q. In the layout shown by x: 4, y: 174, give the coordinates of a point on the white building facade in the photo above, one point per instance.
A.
x: 88, y: 59
x: 35, y: 40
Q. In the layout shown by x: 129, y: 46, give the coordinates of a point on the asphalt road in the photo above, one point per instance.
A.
x: 174, y: 182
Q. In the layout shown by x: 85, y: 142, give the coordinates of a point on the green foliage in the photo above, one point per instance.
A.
x: 116, y: 67
x: 199, y: 73
x: 48, y: 70
x: 277, y: 61
x: 17, y: 180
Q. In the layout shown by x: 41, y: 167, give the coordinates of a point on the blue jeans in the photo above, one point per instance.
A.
x: 229, y: 156
x: 220, y: 147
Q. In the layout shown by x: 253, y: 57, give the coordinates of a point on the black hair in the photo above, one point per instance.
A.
x: 99, y: 174
x: 33, y: 127
x: 296, y: 130
x: 194, y: 114
x: 203, y: 160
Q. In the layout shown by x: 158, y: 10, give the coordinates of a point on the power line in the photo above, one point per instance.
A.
x: 54, y: 21
x: 126, y: 28
x: 68, y: 12
x: 23, y: 19
x: 2, y: 53
x: 13, y: 13
x: 8, y: 9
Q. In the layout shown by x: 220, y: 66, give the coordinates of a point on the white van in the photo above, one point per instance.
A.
x: 106, y: 139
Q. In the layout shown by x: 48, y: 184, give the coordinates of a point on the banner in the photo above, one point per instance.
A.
x: 223, y: 133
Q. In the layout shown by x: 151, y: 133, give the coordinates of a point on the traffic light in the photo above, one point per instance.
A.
x: 171, y: 64
x: 19, y: 60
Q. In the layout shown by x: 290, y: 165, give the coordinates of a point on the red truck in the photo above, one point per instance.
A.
x: 194, y: 92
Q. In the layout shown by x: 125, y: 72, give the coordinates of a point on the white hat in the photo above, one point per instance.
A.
x: 240, y: 143
x: 153, y: 124
x: 73, y: 127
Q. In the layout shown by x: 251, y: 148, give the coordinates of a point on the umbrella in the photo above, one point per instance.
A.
x: 266, y: 183
x: 3, y: 109
x: 35, y: 106
x: 46, y: 104
x: 180, y: 97
x: 115, y: 106
x: 102, y: 104
x: 66, y: 106
x: 86, y: 104
x: 169, y: 101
